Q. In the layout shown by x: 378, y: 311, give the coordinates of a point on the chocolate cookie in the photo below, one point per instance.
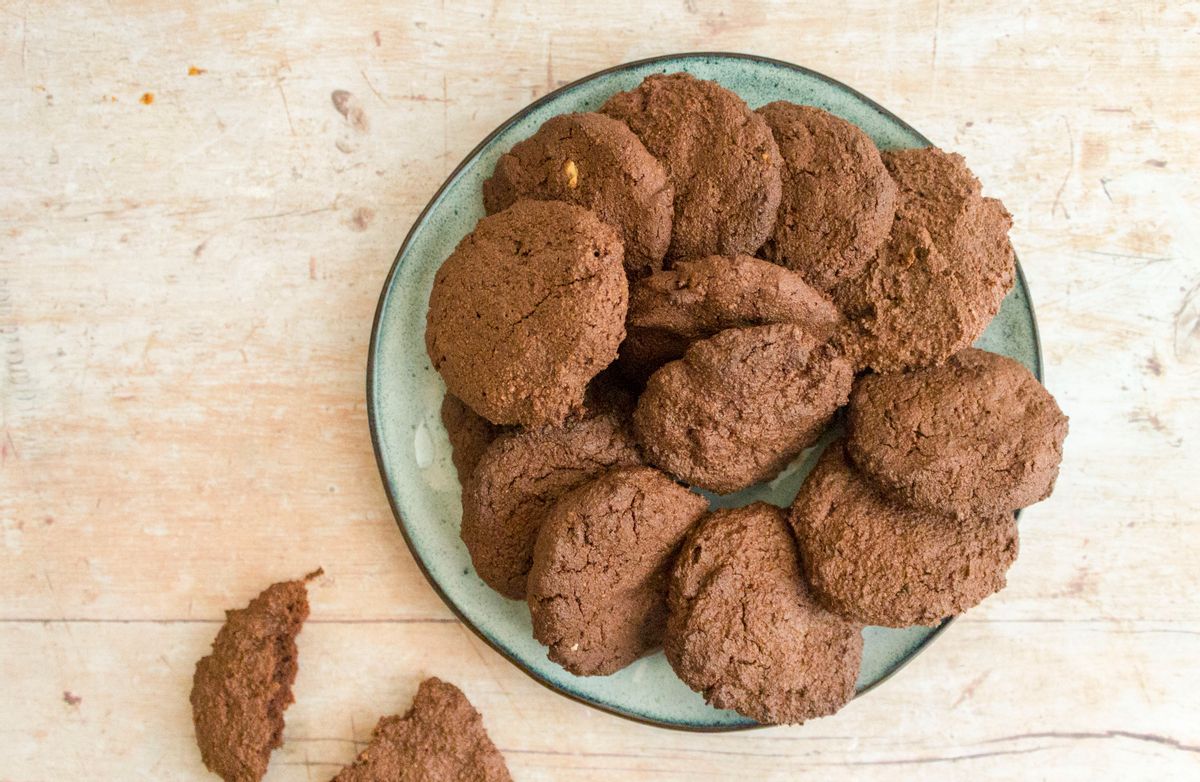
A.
x: 520, y: 477
x: 977, y: 435
x: 696, y: 299
x: 440, y: 738
x: 598, y: 586
x: 873, y: 560
x: 719, y: 155
x: 240, y: 691
x: 745, y: 632
x: 940, y: 277
x: 596, y: 162
x: 470, y: 434
x: 838, y: 199
x: 526, y: 310
x: 741, y: 405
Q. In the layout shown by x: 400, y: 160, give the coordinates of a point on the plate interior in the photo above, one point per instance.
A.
x: 405, y: 393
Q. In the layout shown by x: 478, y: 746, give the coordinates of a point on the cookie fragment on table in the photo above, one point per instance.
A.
x: 441, y: 738
x: 240, y: 691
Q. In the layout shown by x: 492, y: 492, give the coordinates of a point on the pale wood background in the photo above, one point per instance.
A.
x: 186, y: 293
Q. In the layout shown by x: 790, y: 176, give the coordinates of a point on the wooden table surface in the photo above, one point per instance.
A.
x: 192, y: 240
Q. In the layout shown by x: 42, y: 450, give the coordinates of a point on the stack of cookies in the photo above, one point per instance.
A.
x: 680, y: 293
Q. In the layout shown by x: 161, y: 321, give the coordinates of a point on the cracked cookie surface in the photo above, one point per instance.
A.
x: 879, y: 562
x: 719, y: 155
x: 698, y: 298
x: 469, y: 433
x: 441, y: 738
x: 740, y: 405
x: 838, y: 198
x: 977, y: 435
x: 522, y: 474
x: 527, y: 310
x: 743, y: 629
x: 598, y: 587
x: 596, y: 162
x: 941, y: 275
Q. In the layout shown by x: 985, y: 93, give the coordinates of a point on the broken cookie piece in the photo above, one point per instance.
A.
x: 440, y: 739
x: 240, y: 691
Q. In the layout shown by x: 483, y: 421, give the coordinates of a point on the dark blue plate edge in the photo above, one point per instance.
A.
x: 372, y: 423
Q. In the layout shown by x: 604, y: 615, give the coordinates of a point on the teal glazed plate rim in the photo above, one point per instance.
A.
x: 404, y: 394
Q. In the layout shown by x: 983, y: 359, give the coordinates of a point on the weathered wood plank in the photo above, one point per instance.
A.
x: 186, y: 291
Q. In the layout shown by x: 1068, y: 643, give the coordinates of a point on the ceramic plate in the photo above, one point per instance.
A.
x: 404, y: 394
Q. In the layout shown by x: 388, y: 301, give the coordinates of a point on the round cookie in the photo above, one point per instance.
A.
x: 978, y: 435
x: 598, y: 587
x: 741, y: 405
x: 838, y: 198
x: 698, y: 298
x: 719, y: 155
x: 744, y: 630
x: 527, y: 309
x: 875, y: 561
x: 520, y: 477
x: 940, y: 277
x: 596, y: 162
x: 470, y: 434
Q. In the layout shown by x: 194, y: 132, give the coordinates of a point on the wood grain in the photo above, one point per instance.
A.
x: 193, y: 233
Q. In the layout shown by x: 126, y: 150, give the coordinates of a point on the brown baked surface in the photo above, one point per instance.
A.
x: 698, y: 298
x: 875, y: 561
x: 598, y: 587
x: 977, y: 435
x: 596, y: 162
x: 440, y: 738
x: 741, y: 405
x: 241, y: 689
x: 719, y: 155
x: 940, y: 277
x: 470, y: 434
x: 838, y: 198
x: 617, y: 260
x: 519, y: 478
x: 527, y: 310
x: 745, y: 632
